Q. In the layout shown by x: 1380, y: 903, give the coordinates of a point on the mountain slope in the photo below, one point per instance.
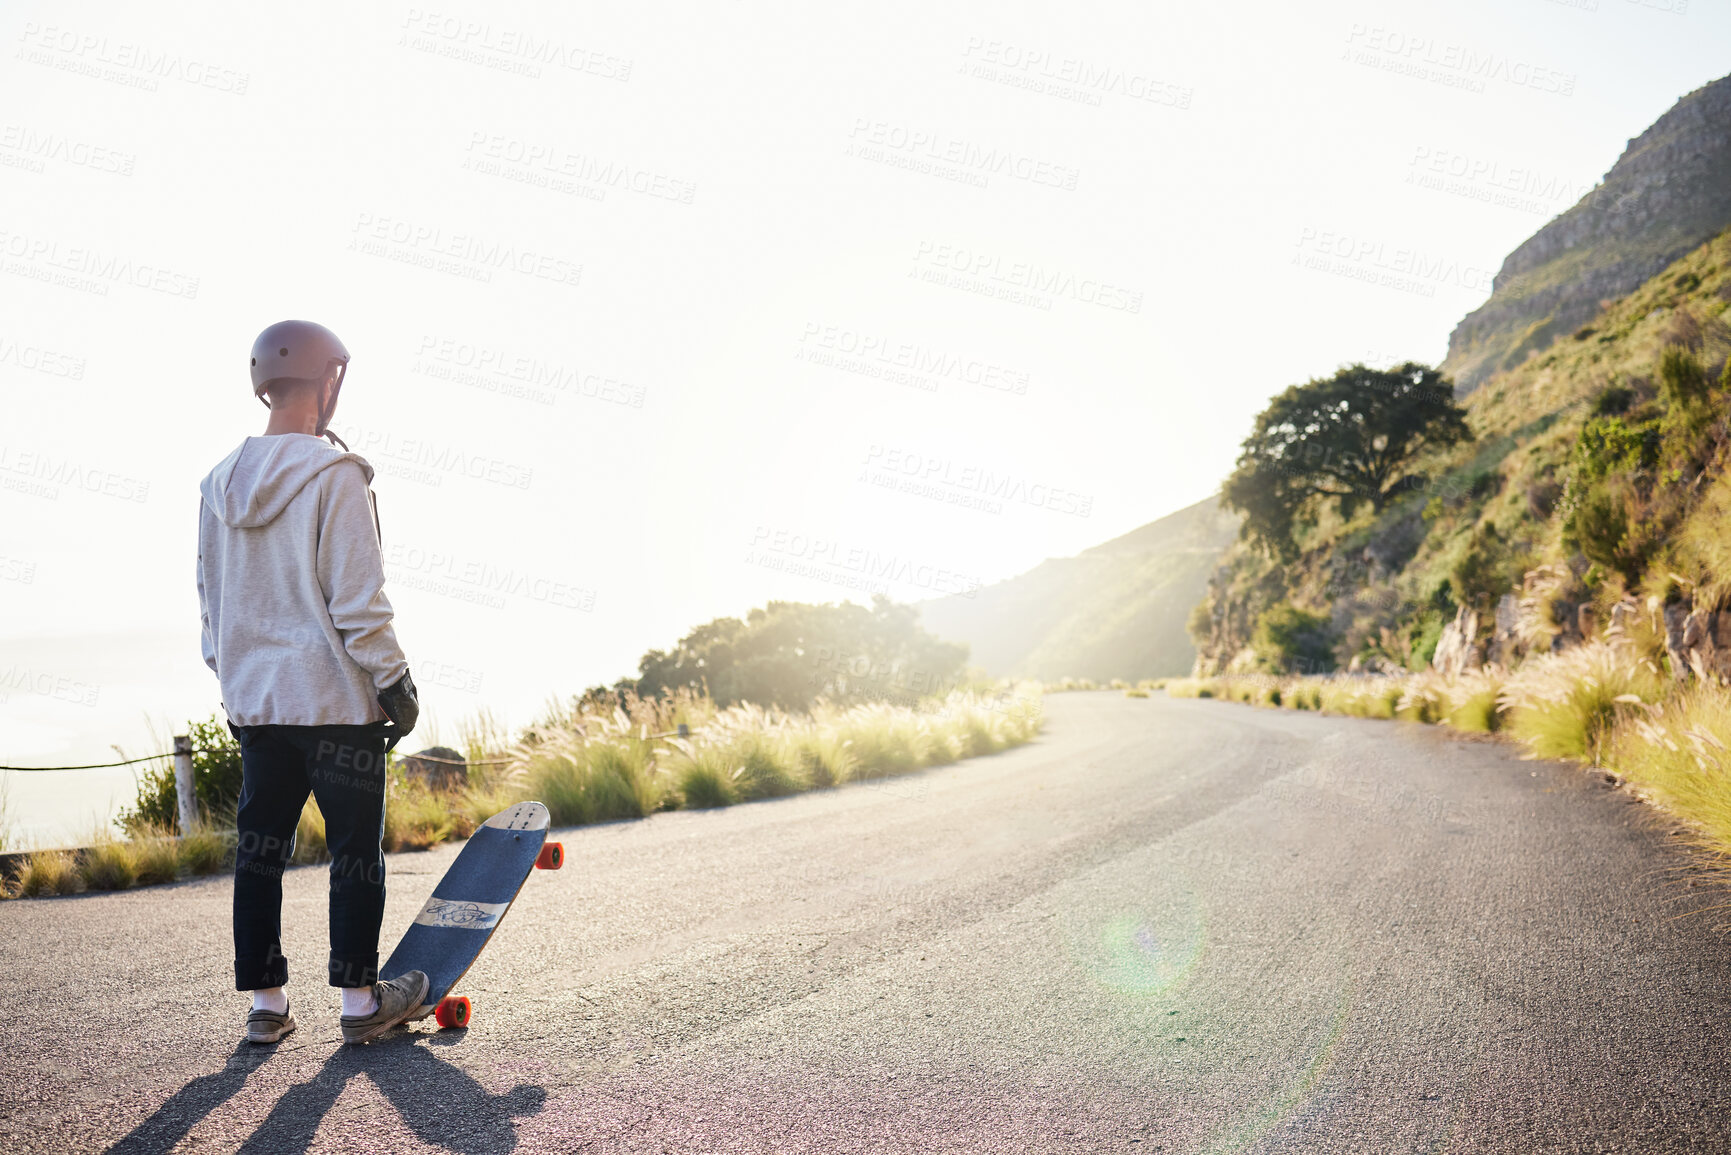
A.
x: 1667, y: 193
x: 1594, y: 488
x: 1117, y: 610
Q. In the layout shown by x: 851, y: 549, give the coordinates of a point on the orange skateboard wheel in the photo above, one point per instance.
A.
x: 453, y: 1011
x: 552, y: 856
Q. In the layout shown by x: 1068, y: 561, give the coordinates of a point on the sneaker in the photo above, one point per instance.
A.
x: 398, y: 999
x: 268, y: 1026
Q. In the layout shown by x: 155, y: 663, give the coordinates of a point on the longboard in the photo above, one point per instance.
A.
x: 468, y: 905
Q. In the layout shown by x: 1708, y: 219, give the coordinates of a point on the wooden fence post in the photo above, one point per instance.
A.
x: 183, y: 784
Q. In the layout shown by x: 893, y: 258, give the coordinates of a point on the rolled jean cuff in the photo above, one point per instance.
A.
x: 260, y: 974
x: 358, y: 971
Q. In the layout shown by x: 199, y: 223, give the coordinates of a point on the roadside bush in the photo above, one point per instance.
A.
x: 216, y: 777
x: 1287, y: 637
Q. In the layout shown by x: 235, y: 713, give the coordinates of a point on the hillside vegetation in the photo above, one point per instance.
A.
x: 1592, y: 493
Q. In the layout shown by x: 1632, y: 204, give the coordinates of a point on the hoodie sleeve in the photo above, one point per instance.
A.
x: 206, y: 642
x: 352, y: 574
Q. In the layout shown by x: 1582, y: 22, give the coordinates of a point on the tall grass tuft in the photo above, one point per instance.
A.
x: 705, y: 777
x: 158, y: 855
x: 109, y: 863
x: 204, y: 851
x: 1565, y: 705
x: 48, y: 872
x: 826, y: 759
x: 416, y: 818
x: 1471, y: 701
x: 1677, y: 755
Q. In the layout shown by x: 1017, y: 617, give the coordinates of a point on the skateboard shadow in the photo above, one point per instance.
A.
x: 441, y: 1103
x: 170, y: 1122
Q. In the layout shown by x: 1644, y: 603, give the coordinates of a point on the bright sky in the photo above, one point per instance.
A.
x: 663, y: 311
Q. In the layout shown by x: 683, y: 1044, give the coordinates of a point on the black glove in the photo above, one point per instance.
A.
x: 402, y: 707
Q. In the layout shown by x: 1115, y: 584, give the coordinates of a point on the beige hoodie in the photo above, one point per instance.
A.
x: 291, y: 585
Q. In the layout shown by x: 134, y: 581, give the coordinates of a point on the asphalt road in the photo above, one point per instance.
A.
x: 1172, y: 926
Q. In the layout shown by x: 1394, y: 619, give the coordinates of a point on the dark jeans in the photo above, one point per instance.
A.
x: 344, y: 769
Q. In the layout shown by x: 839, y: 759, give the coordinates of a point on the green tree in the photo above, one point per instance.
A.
x: 788, y: 654
x: 1350, y: 439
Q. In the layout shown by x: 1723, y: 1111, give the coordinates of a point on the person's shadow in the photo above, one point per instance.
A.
x: 441, y: 1103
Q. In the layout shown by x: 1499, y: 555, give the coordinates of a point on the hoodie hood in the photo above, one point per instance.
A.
x: 254, y: 484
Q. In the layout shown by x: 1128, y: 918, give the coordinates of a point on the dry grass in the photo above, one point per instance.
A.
x: 1675, y: 754
x: 589, y: 766
x: 48, y: 872
x: 109, y: 863
x: 1602, y: 702
x: 1566, y: 705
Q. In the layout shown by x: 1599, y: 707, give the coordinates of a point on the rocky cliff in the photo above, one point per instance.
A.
x: 1667, y: 193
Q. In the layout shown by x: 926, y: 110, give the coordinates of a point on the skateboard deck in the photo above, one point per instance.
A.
x: 470, y: 902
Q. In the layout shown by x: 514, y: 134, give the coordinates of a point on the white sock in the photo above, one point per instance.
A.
x: 272, y: 999
x: 359, y: 1001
